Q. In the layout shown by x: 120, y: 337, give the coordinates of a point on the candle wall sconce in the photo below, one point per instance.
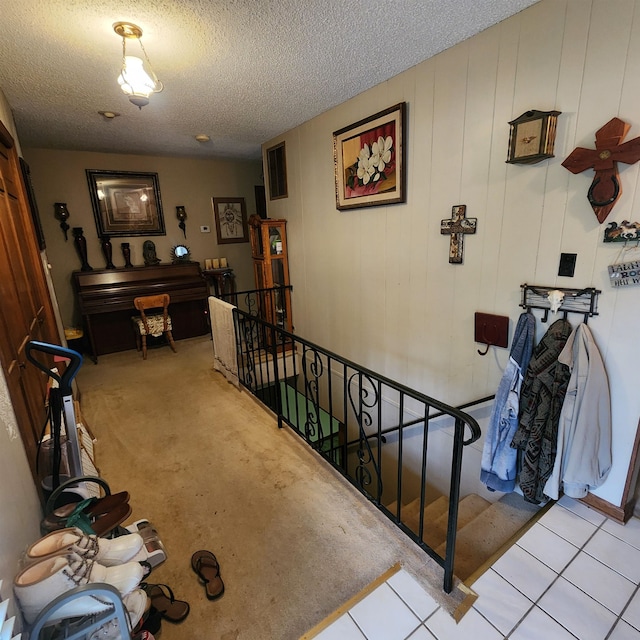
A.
x: 61, y: 213
x: 182, y: 216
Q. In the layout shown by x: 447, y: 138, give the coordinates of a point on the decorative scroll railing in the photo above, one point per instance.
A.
x: 346, y: 412
x: 270, y: 305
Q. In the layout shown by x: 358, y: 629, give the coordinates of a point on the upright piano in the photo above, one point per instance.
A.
x: 105, y: 299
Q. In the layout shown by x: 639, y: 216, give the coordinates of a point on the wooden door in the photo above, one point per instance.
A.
x: 26, y: 311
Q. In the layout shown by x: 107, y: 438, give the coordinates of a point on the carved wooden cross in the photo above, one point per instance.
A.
x: 605, y: 188
x: 456, y: 227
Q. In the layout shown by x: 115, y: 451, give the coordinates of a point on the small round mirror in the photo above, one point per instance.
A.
x: 180, y: 253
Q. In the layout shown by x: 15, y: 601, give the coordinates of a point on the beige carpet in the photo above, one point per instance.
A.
x: 207, y: 465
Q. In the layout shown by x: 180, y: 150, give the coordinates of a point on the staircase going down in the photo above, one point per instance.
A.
x: 483, y: 527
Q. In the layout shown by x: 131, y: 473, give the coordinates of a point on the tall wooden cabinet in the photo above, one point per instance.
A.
x: 26, y: 310
x: 271, y: 269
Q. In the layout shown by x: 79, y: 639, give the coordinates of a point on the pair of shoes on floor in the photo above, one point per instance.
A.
x: 165, y: 604
x: 99, y: 516
x: 108, y: 552
x: 205, y: 564
x: 66, y: 559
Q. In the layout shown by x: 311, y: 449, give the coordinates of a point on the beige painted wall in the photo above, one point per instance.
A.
x: 19, y: 503
x: 59, y: 176
x: 375, y: 284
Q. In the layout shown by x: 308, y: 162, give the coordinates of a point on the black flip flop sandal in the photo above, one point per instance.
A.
x: 163, y: 600
x: 205, y: 564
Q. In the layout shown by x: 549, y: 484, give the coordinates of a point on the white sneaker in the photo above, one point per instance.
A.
x: 108, y: 552
x: 136, y: 604
x: 41, y: 582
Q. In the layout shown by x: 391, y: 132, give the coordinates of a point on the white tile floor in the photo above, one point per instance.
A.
x: 574, y: 574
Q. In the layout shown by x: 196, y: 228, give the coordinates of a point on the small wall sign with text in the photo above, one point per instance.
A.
x: 625, y: 274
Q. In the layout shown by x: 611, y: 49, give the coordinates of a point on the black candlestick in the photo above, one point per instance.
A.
x: 126, y: 252
x: 80, y: 243
x: 107, y: 250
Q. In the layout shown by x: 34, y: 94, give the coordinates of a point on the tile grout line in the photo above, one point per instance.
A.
x: 517, y: 623
x: 364, y: 635
x: 581, y: 549
x: 600, y: 527
x: 534, y: 603
x: 622, y: 612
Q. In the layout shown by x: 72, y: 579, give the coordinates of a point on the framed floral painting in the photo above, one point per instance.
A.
x: 369, y: 158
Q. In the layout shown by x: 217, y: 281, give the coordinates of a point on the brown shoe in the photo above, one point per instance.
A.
x: 205, y: 564
x: 93, y: 516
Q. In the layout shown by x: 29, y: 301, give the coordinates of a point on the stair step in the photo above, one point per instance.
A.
x: 435, y: 532
x: 480, y: 538
x: 411, y: 513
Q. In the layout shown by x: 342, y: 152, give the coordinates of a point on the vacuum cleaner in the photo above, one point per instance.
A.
x: 59, y: 452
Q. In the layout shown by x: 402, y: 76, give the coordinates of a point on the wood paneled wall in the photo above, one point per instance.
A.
x: 375, y: 284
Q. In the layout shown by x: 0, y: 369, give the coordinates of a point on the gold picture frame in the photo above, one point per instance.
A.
x: 370, y: 159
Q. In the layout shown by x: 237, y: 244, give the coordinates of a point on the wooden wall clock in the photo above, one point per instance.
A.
x: 532, y: 137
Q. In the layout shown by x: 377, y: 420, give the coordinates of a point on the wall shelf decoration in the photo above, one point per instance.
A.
x: 623, y: 232
x: 532, y: 137
x: 582, y: 301
x: 605, y: 188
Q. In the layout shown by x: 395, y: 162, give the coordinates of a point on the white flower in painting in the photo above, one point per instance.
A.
x: 364, y: 152
x: 365, y: 167
x: 381, y: 152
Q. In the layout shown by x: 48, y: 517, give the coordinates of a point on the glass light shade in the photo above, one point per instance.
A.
x: 136, y: 82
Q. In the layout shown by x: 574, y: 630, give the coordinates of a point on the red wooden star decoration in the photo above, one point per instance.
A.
x: 605, y: 188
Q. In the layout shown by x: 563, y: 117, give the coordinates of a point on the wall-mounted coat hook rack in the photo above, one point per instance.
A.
x: 582, y: 301
x: 491, y: 330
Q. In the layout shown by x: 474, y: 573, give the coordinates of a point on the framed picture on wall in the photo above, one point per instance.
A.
x: 277, y: 166
x: 126, y: 203
x: 369, y: 158
x: 231, y: 220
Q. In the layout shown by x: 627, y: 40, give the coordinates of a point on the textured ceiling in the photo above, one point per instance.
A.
x: 240, y: 71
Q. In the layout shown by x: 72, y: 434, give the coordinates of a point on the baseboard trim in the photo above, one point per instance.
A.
x: 618, y: 514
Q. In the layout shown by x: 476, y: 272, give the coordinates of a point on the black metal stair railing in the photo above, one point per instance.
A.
x: 346, y: 412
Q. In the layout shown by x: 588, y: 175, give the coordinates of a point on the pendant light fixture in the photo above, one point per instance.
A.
x: 137, y: 79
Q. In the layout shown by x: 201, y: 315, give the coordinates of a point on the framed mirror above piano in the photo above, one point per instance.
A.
x: 105, y: 300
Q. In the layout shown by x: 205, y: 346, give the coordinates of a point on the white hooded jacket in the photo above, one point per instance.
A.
x: 583, y: 458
